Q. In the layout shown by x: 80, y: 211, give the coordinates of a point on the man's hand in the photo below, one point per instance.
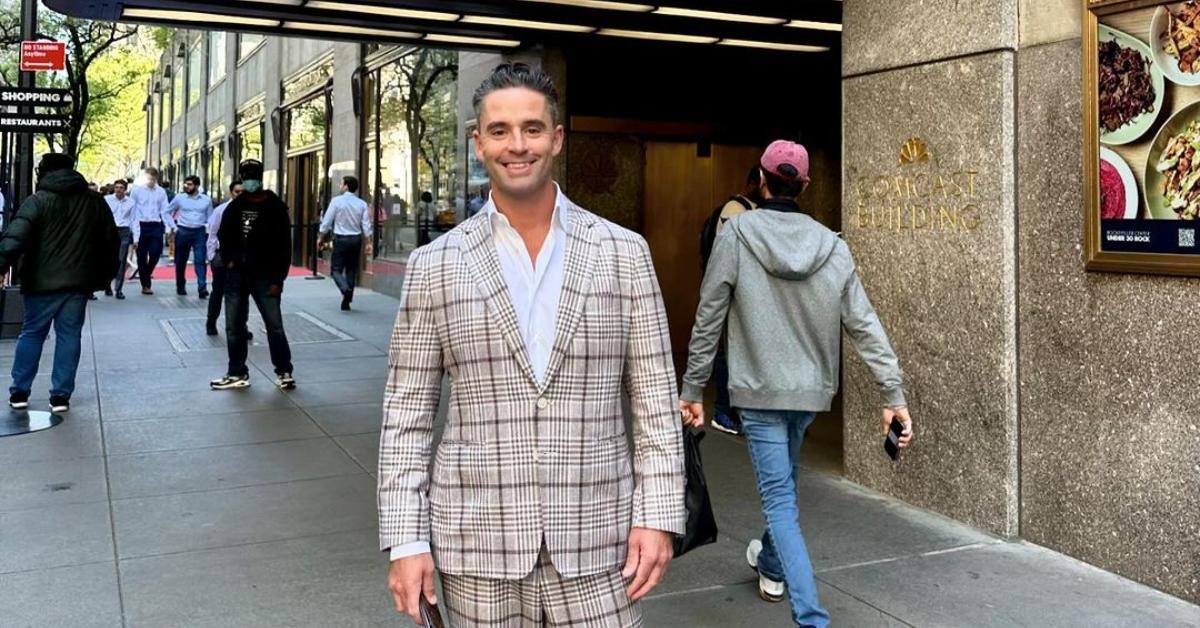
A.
x: 408, y: 578
x: 369, y: 249
x: 274, y: 290
x: 693, y: 413
x: 649, y: 553
x: 906, y: 437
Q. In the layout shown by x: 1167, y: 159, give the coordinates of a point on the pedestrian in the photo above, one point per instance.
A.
x: 154, y: 220
x: 255, y: 242
x: 479, y: 200
x: 426, y: 212
x: 214, y: 260
x: 543, y: 313
x: 124, y: 213
x: 725, y: 419
x: 349, y: 218
x: 192, y: 210
x: 67, y: 238
x: 788, y: 286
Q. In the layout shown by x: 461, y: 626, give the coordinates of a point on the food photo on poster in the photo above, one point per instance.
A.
x: 1145, y: 183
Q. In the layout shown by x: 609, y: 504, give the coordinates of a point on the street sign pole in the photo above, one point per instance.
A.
x: 24, y: 174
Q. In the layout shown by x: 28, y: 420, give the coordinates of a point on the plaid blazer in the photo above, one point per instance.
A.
x: 522, y: 462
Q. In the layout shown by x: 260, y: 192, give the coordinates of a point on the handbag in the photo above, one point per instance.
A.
x: 701, y: 524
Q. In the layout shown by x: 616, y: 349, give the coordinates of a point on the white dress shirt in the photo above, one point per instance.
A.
x: 150, y: 205
x: 214, y: 223
x: 534, y: 289
x: 348, y: 215
x: 123, y: 213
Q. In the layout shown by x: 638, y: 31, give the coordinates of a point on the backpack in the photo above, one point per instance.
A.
x: 708, y: 233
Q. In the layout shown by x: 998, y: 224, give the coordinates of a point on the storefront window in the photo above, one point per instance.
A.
x: 216, y: 183
x: 306, y: 124
x: 216, y: 57
x: 250, y: 143
x: 247, y: 44
x: 411, y: 151
x: 177, y: 91
x: 195, y: 73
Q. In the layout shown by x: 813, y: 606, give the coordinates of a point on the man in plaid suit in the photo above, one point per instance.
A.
x: 542, y: 314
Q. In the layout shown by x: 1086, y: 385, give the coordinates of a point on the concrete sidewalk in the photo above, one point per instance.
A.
x: 161, y: 503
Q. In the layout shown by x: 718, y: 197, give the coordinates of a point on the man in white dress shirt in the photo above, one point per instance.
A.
x: 154, y: 221
x: 122, y: 206
x: 349, y: 218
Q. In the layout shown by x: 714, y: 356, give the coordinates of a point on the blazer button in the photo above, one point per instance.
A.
x: 543, y: 403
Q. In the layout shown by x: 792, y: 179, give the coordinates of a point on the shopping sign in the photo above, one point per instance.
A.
x: 34, y: 96
x: 43, y: 56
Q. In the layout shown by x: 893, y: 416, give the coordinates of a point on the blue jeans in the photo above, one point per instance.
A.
x: 193, y: 240
x: 774, y: 438
x: 67, y: 311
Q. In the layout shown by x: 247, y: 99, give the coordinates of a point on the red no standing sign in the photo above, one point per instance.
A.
x: 43, y: 56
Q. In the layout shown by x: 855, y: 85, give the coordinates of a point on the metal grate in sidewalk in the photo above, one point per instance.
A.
x: 188, y: 334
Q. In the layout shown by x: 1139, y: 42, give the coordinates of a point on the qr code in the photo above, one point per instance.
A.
x: 1187, y: 238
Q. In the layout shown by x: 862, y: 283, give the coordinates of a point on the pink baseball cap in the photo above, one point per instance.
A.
x: 783, y: 152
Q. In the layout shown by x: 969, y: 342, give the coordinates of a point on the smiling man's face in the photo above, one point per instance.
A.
x: 517, y: 142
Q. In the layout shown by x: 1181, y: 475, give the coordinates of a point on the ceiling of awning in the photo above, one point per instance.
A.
x: 808, y: 26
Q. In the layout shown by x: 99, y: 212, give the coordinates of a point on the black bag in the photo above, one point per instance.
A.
x: 701, y: 525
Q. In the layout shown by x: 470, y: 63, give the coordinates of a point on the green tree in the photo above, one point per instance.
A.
x: 426, y: 86
x: 96, y: 86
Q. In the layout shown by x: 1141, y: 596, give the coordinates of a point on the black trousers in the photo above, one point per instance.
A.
x: 347, y: 251
x: 218, y: 290
x: 239, y: 289
x: 149, y: 250
x: 126, y: 235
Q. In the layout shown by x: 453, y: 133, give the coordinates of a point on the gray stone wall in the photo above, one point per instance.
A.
x: 1110, y: 436
x: 935, y: 242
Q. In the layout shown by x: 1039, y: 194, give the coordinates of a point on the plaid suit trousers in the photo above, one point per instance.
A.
x: 543, y: 598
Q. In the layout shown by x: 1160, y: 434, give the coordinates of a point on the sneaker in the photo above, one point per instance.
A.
x: 203, y: 293
x: 769, y: 590
x: 59, y: 404
x: 285, y: 382
x: 727, y: 424
x: 230, y: 382
x: 18, y: 400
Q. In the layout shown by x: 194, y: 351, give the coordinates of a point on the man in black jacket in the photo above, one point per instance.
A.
x: 67, y: 237
x: 255, y: 239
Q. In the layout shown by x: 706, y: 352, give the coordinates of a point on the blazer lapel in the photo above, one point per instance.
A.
x: 484, y: 266
x: 577, y: 280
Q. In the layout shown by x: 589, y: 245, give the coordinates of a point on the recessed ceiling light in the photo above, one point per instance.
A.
x: 544, y: 26
x: 381, y: 10
x: 350, y: 30
x: 192, y: 16
x: 601, y: 4
x: 472, y: 41
x: 816, y: 26
x: 769, y: 45
x: 717, y: 15
x: 690, y: 39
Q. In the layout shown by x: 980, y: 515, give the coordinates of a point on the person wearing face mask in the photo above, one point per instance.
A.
x: 255, y: 242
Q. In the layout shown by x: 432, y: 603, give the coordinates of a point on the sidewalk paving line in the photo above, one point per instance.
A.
x: 882, y: 561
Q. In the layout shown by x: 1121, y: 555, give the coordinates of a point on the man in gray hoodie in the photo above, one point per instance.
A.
x: 788, y: 286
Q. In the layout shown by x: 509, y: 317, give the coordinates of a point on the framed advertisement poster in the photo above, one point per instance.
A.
x: 1141, y: 94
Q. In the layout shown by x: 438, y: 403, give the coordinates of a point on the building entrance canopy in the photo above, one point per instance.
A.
x: 812, y: 26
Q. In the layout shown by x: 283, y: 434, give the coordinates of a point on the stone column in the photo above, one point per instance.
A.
x: 929, y: 212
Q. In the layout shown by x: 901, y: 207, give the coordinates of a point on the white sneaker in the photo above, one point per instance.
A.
x: 285, y: 381
x: 769, y: 590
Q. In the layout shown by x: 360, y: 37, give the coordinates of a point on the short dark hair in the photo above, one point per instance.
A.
x: 510, y: 75
x: 780, y: 187
x: 193, y: 179
x: 427, y: 197
x: 120, y: 182
x: 234, y: 184
x: 152, y: 172
x: 351, y: 183
x: 53, y: 162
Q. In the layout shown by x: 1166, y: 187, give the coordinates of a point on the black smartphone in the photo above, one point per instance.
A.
x: 891, y: 444
x: 430, y: 616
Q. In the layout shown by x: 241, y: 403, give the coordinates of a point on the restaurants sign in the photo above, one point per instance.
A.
x: 43, y: 56
x: 34, y: 97
x: 33, y: 123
